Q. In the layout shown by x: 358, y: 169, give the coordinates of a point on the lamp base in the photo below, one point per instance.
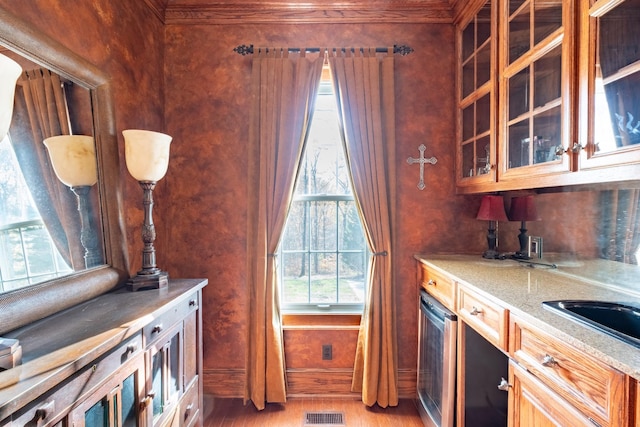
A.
x: 520, y: 255
x: 139, y: 282
x: 491, y: 254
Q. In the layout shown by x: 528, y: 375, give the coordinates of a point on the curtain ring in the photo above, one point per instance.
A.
x: 383, y: 253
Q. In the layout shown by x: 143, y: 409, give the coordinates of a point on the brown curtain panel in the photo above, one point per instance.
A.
x: 364, y: 84
x: 41, y: 112
x: 284, y: 88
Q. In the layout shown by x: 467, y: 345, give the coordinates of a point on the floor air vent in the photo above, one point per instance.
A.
x: 324, y: 419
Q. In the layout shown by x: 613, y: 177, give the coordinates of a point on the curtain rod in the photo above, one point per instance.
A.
x: 403, y: 50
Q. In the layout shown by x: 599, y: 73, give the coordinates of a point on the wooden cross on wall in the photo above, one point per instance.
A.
x: 422, y: 161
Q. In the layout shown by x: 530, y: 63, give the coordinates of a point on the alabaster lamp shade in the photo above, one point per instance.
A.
x: 74, y: 159
x: 9, y: 73
x: 492, y: 210
x: 146, y: 154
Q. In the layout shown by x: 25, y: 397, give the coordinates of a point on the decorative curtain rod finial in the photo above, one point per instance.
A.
x: 243, y: 49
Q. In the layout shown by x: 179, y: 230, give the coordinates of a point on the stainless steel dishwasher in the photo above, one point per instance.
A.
x: 436, y: 363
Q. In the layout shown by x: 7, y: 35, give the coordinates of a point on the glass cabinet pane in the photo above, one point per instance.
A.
x: 156, y: 382
x: 467, y: 160
x: 97, y: 415
x: 519, y: 30
x: 547, y: 133
x: 547, y: 17
x: 547, y: 78
x: 483, y: 151
x: 519, y: 94
x: 129, y: 412
x: 483, y: 115
x: 616, y: 89
x: 519, y: 143
x: 483, y: 64
x: 468, y: 40
x: 468, y: 118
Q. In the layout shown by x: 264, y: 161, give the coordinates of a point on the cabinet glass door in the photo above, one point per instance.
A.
x: 117, y: 402
x: 611, y: 135
x: 476, y: 157
x: 535, y: 98
x: 166, y: 372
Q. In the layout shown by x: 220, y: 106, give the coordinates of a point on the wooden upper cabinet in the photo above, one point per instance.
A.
x: 476, y: 43
x: 609, y: 114
x: 535, y: 88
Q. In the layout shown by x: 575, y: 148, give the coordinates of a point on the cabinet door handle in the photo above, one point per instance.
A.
x: 475, y: 311
x: 504, y: 385
x: 431, y: 282
x: 548, y: 361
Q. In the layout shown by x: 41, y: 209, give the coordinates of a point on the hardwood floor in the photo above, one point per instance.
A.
x: 232, y: 413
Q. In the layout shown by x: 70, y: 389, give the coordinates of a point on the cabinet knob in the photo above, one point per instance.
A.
x: 431, y: 282
x: 548, y: 361
x: 131, y: 348
x: 575, y: 148
x: 156, y: 329
x: 504, y: 385
x: 475, y: 311
x: 192, y: 303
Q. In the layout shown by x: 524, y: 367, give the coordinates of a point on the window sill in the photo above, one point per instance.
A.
x: 321, y: 321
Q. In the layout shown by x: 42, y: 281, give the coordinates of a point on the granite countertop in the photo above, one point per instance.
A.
x: 522, y: 287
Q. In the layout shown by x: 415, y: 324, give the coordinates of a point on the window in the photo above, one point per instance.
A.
x: 323, y: 255
x: 27, y: 253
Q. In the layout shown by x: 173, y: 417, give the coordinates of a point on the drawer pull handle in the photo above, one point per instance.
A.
x: 43, y: 412
x: 475, y: 311
x: 187, y: 411
x: 504, y: 385
x: 431, y: 282
x: 156, y: 329
x: 548, y: 361
x: 147, y: 400
x: 192, y: 303
x: 131, y: 348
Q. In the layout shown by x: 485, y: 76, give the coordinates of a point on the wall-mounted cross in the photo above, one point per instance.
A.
x: 422, y: 161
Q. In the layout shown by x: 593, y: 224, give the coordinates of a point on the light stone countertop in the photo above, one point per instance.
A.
x: 521, y: 289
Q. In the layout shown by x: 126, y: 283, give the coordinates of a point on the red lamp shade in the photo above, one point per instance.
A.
x: 523, y: 209
x: 492, y: 209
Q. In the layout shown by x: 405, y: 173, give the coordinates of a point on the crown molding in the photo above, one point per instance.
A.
x: 256, y: 12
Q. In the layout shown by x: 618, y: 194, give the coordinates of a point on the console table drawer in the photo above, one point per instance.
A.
x: 163, y: 323
x: 593, y: 387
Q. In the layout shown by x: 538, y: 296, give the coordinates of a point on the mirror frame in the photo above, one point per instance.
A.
x: 23, y: 306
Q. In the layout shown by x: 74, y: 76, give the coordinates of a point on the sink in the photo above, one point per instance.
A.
x: 619, y: 320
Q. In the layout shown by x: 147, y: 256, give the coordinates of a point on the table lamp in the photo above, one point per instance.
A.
x: 73, y: 158
x: 492, y: 210
x: 147, y: 157
x: 523, y: 209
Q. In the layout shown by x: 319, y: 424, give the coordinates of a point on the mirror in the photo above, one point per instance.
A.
x: 49, y: 220
x: 88, y: 102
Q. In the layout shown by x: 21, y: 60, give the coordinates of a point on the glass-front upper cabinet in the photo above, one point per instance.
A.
x: 476, y: 157
x: 535, y: 87
x: 610, y: 83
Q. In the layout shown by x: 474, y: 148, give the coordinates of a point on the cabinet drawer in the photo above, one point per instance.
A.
x: 488, y: 318
x: 165, y: 321
x: 596, y: 389
x: 189, y: 406
x: 438, y: 285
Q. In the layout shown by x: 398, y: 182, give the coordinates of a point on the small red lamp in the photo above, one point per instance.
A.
x: 523, y: 209
x: 492, y: 210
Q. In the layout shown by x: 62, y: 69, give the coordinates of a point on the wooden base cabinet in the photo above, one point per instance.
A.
x: 124, y: 359
x: 531, y: 403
